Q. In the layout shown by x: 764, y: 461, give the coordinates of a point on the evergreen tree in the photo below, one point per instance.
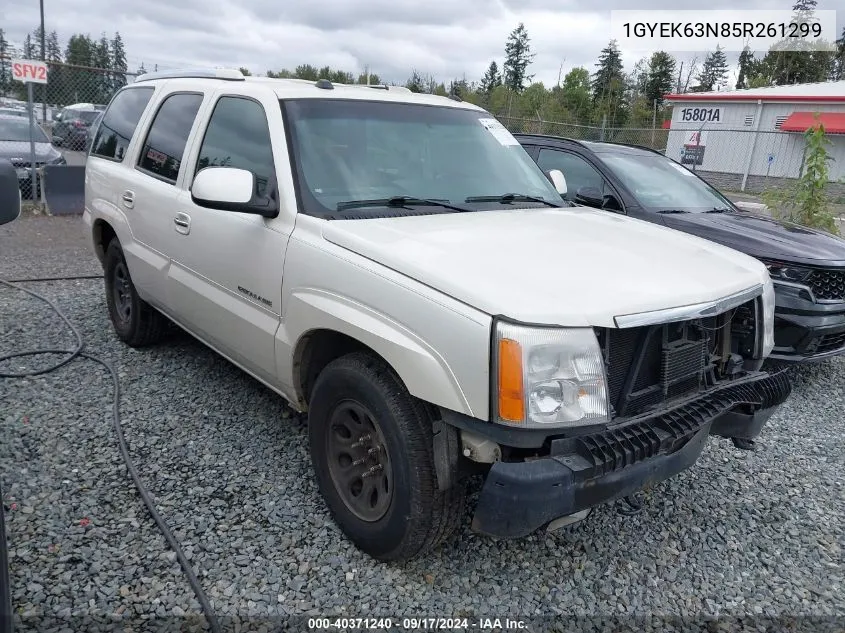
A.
x: 609, y: 86
x: 490, y: 81
x: 746, y: 66
x: 306, y: 71
x: 518, y: 57
x: 53, y: 50
x: 5, y: 68
x: 415, y: 82
x: 803, y: 62
x: 838, y: 73
x: 660, y: 77
x: 609, y: 76
x: 28, y: 51
x: 118, y: 61
x: 102, y: 59
x: 713, y: 73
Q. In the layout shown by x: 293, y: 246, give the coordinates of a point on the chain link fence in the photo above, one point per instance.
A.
x: 647, y: 137
x: 66, y: 110
x: 730, y: 159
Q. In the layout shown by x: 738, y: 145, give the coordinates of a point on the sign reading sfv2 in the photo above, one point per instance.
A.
x: 30, y: 70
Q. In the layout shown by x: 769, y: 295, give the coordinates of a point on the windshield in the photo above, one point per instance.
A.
x: 661, y: 184
x: 349, y: 151
x: 17, y: 129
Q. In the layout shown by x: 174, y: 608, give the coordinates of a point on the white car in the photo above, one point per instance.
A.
x: 395, y: 265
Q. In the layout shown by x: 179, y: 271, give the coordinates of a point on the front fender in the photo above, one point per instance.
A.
x: 424, y: 371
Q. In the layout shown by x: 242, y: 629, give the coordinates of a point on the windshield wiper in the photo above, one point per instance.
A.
x: 511, y: 197
x: 398, y: 201
x: 672, y: 211
x: 717, y: 210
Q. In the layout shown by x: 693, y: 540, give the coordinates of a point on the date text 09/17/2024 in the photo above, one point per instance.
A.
x: 485, y: 624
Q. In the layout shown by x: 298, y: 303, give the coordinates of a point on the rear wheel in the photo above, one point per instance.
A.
x: 136, y: 322
x: 372, y: 450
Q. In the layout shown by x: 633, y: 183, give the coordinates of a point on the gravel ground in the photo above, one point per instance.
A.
x: 740, y: 534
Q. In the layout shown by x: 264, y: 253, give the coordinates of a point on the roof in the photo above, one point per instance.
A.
x: 597, y: 147
x: 822, y: 92
x: 833, y: 122
x: 324, y: 88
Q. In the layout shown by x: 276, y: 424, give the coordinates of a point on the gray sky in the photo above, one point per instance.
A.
x: 446, y: 38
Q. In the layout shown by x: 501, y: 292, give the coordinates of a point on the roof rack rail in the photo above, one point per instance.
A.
x: 226, y: 74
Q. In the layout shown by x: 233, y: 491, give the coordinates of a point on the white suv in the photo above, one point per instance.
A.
x: 396, y: 265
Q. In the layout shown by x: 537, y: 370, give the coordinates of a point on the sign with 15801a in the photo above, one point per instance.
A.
x: 29, y: 70
x: 702, y: 115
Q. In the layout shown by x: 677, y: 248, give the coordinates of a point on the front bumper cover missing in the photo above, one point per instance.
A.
x: 581, y: 472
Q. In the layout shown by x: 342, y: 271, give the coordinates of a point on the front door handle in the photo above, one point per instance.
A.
x: 128, y: 198
x: 183, y: 223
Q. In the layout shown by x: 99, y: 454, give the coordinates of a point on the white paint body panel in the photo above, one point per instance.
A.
x: 420, y: 291
x: 569, y: 267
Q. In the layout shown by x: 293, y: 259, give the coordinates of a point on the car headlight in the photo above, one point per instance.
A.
x: 548, y: 376
x: 784, y: 272
x: 768, y: 317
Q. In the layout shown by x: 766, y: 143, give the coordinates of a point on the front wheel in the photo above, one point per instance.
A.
x: 135, y: 322
x: 372, y: 450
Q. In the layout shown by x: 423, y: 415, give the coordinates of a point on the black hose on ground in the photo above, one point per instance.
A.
x: 77, y: 352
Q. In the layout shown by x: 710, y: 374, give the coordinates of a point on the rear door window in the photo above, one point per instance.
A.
x: 119, y: 123
x: 165, y: 144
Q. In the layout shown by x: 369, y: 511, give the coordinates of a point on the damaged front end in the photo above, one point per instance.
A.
x: 669, y: 386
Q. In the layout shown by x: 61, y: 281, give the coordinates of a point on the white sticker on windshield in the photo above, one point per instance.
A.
x: 499, y: 131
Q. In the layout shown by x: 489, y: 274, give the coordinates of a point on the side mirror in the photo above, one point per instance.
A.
x: 231, y: 189
x: 558, y: 180
x: 10, y: 193
x: 589, y: 197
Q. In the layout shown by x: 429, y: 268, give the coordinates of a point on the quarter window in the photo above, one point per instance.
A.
x: 238, y: 136
x: 119, y: 123
x: 168, y: 135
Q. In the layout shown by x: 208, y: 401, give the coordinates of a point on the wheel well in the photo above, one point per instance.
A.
x: 103, y: 235
x: 317, y: 349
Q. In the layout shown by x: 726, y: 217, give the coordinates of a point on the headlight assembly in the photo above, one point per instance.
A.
x: 785, y: 272
x: 547, y: 377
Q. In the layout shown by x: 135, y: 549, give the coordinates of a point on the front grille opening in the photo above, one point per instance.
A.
x: 830, y: 343
x: 827, y: 285
x: 651, y: 365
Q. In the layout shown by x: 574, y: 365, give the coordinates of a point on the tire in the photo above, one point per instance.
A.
x: 417, y: 517
x: 135, y: 322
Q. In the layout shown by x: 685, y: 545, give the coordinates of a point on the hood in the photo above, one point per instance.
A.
x: 20, y: 149
x: 569, y: 266
x: 762, y: 236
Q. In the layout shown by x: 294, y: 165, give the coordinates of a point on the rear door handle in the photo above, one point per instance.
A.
x: 183, y: 223
x: 128, y: 198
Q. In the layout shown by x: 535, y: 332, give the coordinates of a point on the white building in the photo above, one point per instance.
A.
x: 750, y: 139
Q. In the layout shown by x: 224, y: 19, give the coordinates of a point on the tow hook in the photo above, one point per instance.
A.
x: 633, y: 505
x: 741, y: 443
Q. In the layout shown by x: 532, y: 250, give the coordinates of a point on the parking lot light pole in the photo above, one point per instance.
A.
x: 43, y: 59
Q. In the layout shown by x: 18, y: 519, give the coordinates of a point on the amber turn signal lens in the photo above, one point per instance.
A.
x: 511, y: 392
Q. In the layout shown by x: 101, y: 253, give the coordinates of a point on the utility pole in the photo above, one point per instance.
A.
x: 560, y: 71
x: 680, y: 72
x: 43, y: 58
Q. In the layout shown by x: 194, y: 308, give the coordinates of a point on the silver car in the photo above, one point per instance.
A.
x: 15, y: 147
